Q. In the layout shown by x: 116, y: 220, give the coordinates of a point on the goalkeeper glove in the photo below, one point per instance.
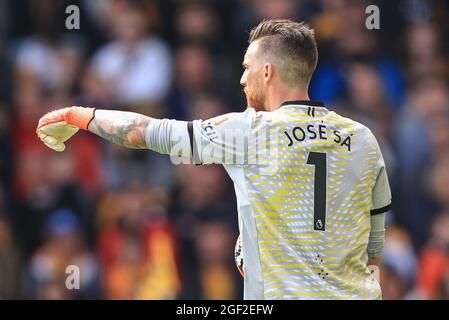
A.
x: 58, y: 126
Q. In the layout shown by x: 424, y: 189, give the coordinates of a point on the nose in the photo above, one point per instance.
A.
x: 243, y: 79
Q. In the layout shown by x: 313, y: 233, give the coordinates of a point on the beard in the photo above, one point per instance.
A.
x: 255, y: 97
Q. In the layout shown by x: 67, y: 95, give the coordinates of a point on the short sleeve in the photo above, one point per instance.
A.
x: 221, y: 140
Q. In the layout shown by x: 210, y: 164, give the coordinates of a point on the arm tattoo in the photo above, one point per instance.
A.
x: 121, y: 127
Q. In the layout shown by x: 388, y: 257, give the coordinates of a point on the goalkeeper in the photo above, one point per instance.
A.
x: 311, y: 214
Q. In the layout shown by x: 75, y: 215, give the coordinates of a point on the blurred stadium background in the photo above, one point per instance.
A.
x: 139, y: 227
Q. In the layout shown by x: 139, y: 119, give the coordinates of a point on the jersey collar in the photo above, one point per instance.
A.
x: 303, y: 103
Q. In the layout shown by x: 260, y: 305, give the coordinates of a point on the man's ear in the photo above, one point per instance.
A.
x: 268, y: 71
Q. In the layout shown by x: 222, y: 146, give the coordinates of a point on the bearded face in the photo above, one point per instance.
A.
x: 252, y: 79
x: 255, y: 95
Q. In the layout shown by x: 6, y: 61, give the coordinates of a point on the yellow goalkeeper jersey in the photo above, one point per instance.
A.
x: 307, y: 181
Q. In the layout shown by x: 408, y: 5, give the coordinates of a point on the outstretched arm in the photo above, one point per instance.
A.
x: 191, y: 141
x: 121, y: 127
x: 124, y: 128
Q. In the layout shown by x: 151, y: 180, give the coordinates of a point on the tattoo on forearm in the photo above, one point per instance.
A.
x: 123, y: 128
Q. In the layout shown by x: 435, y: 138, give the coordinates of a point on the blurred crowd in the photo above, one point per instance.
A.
x: 139, y: 227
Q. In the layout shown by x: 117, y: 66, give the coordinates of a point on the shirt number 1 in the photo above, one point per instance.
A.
x: 319, y: 160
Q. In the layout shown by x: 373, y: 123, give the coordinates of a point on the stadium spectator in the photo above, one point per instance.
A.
x: 355, y: 43
x: 136, y: 245
x: 398, y: 266
x: 428, y: 101
x: 193, y: 76
x: 199, y: 197
x: 46, y: 274
x: 434, y: 260
x: 135, y: 66
x: 214, y: 247
x: 424, y: 56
